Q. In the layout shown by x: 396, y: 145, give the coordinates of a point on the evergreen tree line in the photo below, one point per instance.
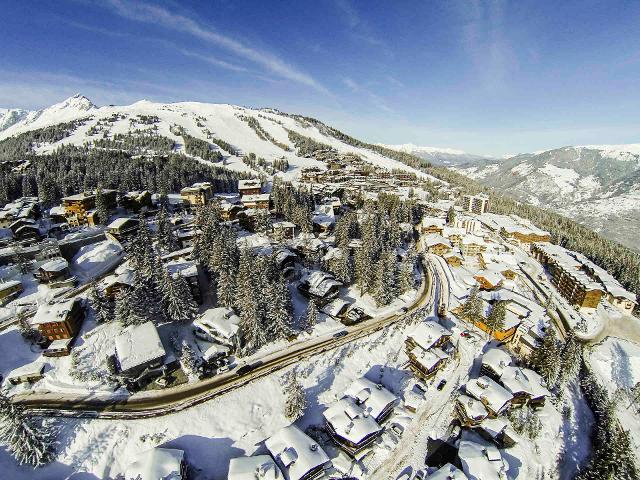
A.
x: 137, y: 143
x: 227, y: 147
x: 201, y: 148
x: 254, y: 124
x: 72, y: 169
x: 612, y: 452
x: 251, y: 284
x: 155, y: 295
x: 294, y: 204
x: 306, y: 146
x: 14, y: 148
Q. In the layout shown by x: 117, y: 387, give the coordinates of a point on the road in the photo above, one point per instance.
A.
x: 169, y: 400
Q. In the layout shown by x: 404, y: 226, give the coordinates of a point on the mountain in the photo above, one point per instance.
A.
x: 232, y: 130
x: 439, y: 156
x: 597, y: 185
x: 11, y: 116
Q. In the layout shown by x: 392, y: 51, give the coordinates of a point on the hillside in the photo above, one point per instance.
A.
x: 230, y: 130
x: 447, y: 157
x: 597, y: 185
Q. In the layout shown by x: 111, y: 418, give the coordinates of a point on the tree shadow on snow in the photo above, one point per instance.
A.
x: 621, y: 371
x: 389, y: 377
x: 203, y: 454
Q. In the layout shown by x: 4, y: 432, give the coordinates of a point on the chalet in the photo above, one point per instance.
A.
x: 427, y: 335
x: 76, y: 207
x: 494, y: 361
x: 259, y: 201
x: 249, y: 187
x: 432, y: 225
x: 515, y: 380
x: 493, y: 396
x: 27, y: 232
x: 376, y: 400
x: 57, y: 214
x: 256, y: 467
x: 470, y: 411
x: 21, y: 222
x: 454, y: 235
x: 320, y: 285
x: 116, y: 283
x: 472, y: 246
x: 285, y: 260
x: 123, y: 228
x: 336, y: 308
x: 323, y: 218
x: 350, y: 426
x: 488, y: 280
x: 186, y: 236
x: 481, y: 462
x: 191, y: 271
x: 496, y: 430
x: 59, y: 320
x: 158, y: 464
x: 509, y: 327
x: 29, y: 373
x: 138, y: 347
x: 218, y: 325
x: 136, y: 200
x: 454, y: 259
x: 9, y: 291
x: 197, y: 194
x: 425, y: 363
x: 539, y: 390
x: 21, y: 208
x: 229, y: 211
x: 298, y: 456
x: 59, y: 348
x: 436, y: 244
x: 54, y: 270
x: 354, y: 315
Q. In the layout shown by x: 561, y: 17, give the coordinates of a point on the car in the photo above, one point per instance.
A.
x: 397, y: 429
x: 465, y: 333
x: 419, y: 475
x: 340, y: 334
x: 247, y: 368
x: 441, y: 385
x: 419, y: 386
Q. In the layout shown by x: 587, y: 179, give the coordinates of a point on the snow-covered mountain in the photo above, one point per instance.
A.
x: 11, y: 116
x: 598, y: 185
x: 439, y: 156
x: 266, y: 135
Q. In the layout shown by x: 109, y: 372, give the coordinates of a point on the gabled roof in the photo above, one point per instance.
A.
x: 480, y: 462
x: 295, y: 452
x: 257, y: 467
x: 489, y: 392
x: 222, y: 320
x: 156, y: 464
x: 428, y: 358
x: 497, y: 359
x: 351, y: 421
x: 138, y: 344
x: 473, y: 407
x: 426, y: 334
x: 374, y: 398
x: 53, y: 312
x: 435, y: 239
x: 55, y: 265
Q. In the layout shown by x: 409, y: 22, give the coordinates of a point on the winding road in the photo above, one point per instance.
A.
x: 169, y: 400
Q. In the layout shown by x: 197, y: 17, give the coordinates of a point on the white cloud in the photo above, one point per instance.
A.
x: 143, y: 12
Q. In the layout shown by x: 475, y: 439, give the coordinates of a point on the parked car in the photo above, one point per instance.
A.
x: 397, y: 429
x: 441, y: 385
x: 340, y: 334
x: 465, y: 333
x: 247, y: 368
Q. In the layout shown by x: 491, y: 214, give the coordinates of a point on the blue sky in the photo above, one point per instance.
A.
x: 486, y: 77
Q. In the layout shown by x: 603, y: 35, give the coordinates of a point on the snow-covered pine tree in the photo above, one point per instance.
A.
x: 124, y: 313
x: 101, y: 207
x: 27, y: 440
x: 405, y: 275
x: 247, y: 303
x: 280, y: 311
x: 166, y: 238
x: 571, y: 357
x: 386, y: 278
x: 101, y: 305
x: 296, y: 401
x: 495, y: 319
x: 472, y: 307
x: 546, y: 358
x: 177, y: 300
x: 451, y: 215
x: 188, y: 358
x: 311, y: 317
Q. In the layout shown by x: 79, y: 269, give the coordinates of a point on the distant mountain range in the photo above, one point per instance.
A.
x: 439, y: 156
x: 597, y: 185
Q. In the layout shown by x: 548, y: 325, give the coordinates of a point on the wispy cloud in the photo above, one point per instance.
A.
x: 359, y: 28
x: 143, y: 12
x: 375, y: 99
x: 213, y: 61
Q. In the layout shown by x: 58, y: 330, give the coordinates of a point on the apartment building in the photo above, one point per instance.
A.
x: 475, y: 203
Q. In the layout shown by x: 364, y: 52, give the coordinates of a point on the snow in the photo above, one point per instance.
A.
x: 374, y: 397
x: 156, y: 464
x: 427, y: 334
x: 138, y: 344
x: 492, y: 394
x: 53, y: 312
x: 55, y: 265
x: 480, y: 462
x: 411, y: 148
x: 295, y: 452
x: 96, y: 259
x: 350, y: 421
x: 497, y: 359
x: 260, y: 467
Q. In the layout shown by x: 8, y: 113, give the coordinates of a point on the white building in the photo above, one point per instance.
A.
x: 258, y: 467
x: 158, y: 464
x: 376, y: 400
x: 298, y: 456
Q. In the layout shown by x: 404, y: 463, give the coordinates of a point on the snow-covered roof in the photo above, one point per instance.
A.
x: 470, y: 239
x: 28, y: 370
x: 55, y: 265
x: 211, y: 350
x: 497, y: 359
x: 54, y: 312
x: 426, y: 334
x: 515, y: 380
x: 489, y: 392
x: 260, y: 197
x: 283, y: 224
x: 258, y: 467
x: 473, y: 407
x: 125, y: 277
x: 220, y: 320
x: 433, y: 222
x: 8, y: 285
x: 57, y: 210
x: 251, y: 183
x: 321, y: 282
x: 494, y: 278
x: 156, y: 464
x: 480, y: 462
x: 374, y: 398
x: 435, y: 239
x: 570, y: 263
x: 295, y: 452
x: 494, y: 426
x: 538, y: 385
x: 428, y: 358
x: 448, y: 472
x: 120, y: 222
x: 335, y: 307
x: 138, y: 344
x: 451, y: 231
x: 350, y: 421
x: 186, y: 268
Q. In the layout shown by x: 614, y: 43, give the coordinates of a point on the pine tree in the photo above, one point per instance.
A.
x: 252, y: 332
x: 166, y: 238
x: 386, y: 278
x: 280, y: 311
x: 311, y: 318
x: 571, y: 357
x: 124, y: 313
x: 101, y: 207
x: 496, y: 318
x: 188, y: 358
x: 546, y: 358
x: 451, y: 216
x: 296, y: 400
x: 472, y: 307
x: 101, y: 305
x: 177, y: 299
x: 30, y: 442
x: 405, y: 275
